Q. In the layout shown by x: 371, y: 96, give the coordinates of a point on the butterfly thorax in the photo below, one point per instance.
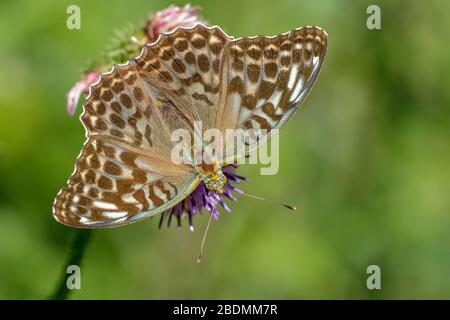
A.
x: 213, y: 177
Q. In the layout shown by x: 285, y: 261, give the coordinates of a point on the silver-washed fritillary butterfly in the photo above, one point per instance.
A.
x: 124, y: 172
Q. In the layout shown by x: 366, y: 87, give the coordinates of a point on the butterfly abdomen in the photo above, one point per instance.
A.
x: 212, y: 176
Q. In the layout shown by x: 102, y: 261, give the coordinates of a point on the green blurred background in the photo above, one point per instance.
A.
x: 366, y: 161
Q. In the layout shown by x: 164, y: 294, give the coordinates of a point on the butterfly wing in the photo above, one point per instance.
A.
x: 246, y: 83
x: 114, y: 184
x: 124, y: 172
x: 265, y: 80
x: 188, y: 60
x: 133, y: 107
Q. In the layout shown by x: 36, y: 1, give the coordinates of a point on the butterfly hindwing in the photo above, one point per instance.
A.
x: 113, y: 184
x: 267, y: 80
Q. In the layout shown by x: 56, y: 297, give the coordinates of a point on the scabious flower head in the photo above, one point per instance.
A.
x: 168, y: 19
x: 202, y: 198
x: 162, y: 21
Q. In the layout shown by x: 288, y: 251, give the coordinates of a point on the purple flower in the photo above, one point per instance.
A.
x: 202, y: 198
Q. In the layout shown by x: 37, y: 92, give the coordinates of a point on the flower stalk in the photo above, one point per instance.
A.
x: 76, y: 254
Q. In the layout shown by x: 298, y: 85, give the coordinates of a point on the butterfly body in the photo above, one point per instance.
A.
x: 213, y: 177
x: 125, y: 172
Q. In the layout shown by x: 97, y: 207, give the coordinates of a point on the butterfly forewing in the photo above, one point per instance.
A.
x: 188, y: 62
x: 267, y: 79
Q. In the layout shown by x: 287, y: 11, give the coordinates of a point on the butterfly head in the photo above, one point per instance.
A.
x: 213, y: 177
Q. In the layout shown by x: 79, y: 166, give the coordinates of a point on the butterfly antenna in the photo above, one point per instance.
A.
x: 200, y: 256
x: 272, y: 201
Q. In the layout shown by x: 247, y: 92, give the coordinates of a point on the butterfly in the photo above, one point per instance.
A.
x: 124, y: 172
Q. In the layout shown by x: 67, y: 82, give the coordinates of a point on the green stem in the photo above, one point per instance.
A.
x: 76, y: 255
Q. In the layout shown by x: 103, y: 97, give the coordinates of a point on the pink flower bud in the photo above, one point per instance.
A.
x: 80, y: 87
